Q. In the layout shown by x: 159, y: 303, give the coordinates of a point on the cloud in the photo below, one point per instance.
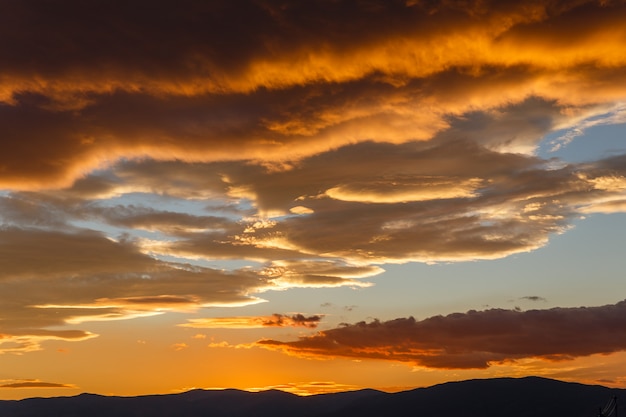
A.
x: 275, y: 320
x: 77, y: 275
x: 476, y: 339
x: 533, y: 298
x: 53, y: 278
x: 19, y: 340
x: 616, y: 115
x: 74, y: 104
x: 316, y: 143
x: 180, y: 346
x: 516, y: 203
x: 21, y: 384
x: 309, y: 388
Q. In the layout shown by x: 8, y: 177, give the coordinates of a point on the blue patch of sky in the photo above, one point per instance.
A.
x: 157, y: 202
x: 116, y: 233
x: 230, y: 209
x: 219, y: 264
x: 581, y: 267
x: 593, y: 140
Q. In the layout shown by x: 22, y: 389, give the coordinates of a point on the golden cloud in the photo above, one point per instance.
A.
x: 290, y: 90
x: 33, y: 383
x: 275, y: 320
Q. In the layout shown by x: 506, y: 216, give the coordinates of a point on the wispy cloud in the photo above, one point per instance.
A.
x: 615, y: 115
x: 275, y: 320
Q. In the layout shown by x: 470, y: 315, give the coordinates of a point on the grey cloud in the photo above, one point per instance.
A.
x: 533, y: 298
x: 476, y: 339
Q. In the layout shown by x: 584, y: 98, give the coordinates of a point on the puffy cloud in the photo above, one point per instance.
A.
x: 476, y: 339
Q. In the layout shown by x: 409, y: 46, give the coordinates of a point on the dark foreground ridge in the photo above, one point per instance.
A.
x: 527, y: 397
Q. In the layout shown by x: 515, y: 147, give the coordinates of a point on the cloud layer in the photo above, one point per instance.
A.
x: 145, y: 152
x: 289, y: 80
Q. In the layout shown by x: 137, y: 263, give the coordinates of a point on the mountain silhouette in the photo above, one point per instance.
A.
x: 527, y: 397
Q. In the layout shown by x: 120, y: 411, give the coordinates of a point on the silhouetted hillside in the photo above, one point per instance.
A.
x: 527, y: 397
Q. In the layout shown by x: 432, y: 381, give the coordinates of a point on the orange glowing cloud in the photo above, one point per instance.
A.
x: 309, y: 388
x: 19, y: 341
x: 53, y: 278
x: 281, y: 89
x: 315, y: 143
x: 33, y: 383
x: 476, y: 339
x: 398, y: 191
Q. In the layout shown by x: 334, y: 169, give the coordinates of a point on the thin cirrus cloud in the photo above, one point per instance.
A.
x: 476, y: 339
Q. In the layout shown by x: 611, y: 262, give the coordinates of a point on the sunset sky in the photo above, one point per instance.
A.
x: 313, y: 196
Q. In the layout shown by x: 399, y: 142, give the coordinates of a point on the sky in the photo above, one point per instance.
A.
x: 313, y: 196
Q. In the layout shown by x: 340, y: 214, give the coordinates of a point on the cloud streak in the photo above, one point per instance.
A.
x: 275, y: 320
x: 22, y: 384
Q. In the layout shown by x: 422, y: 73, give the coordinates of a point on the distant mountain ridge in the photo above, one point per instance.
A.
x: 501, y: 397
